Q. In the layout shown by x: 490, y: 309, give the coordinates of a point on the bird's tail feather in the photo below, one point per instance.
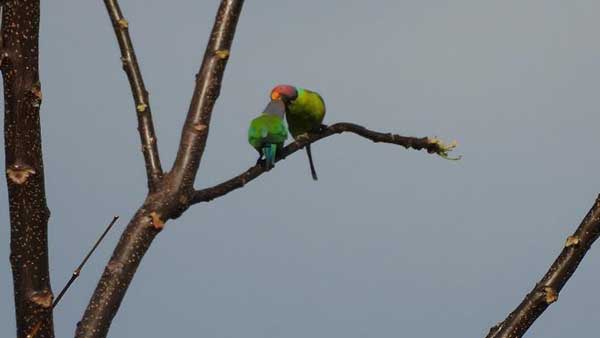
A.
x: 313, y: 172
x: 270, y: 151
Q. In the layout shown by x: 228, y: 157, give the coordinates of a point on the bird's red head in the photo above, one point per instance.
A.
x: 286, y: 93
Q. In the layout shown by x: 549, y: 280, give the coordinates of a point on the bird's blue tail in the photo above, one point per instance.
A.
x: 269, y: 151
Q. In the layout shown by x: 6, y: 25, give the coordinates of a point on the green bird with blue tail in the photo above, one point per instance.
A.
x: 268, y: 132
x: 304, y: 112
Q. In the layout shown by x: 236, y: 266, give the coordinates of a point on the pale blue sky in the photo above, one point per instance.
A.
x: 389, y: 242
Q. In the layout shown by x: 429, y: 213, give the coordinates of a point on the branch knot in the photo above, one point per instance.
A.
x: 19, y: 173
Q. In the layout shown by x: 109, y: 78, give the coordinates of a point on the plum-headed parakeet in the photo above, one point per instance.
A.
x: 268, y: 132
x: 304, y: 111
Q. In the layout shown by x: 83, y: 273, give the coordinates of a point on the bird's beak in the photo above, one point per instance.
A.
x: 275, y: 96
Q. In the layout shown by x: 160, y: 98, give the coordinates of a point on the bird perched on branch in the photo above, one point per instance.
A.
x: 268, y: 132
x: 304, y: 112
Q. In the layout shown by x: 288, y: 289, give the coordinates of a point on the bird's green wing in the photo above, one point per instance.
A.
x: 277, y: 130
x: 256, y: 133
x: 306, y: 113
x: 267, y: 129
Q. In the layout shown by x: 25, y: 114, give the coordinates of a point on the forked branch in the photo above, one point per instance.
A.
x: 547, y: 289
x: 139, y: 93
x: 166, y: 201
x: 173, y: 192
x: 432, y: 145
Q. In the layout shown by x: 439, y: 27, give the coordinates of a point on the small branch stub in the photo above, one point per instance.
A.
x: 36, y: 90
x: 572, y: 241
x: 19, y: 173
x: 551, y: 295
x: 200, y: 127
x: 157, y: 222
x: 123, y: 23
x: 43, y: 299
x: 222, y: 54
x: 141, y: 107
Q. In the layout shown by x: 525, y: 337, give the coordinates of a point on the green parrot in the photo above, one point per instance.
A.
x: 268, y: 132
x: 304, y: 111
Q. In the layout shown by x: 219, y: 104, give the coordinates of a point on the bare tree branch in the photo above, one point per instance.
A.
x: 206, y: 92
x: 169, y: 195
x: 140, y: 94
x: 117, y: 276
x: 432, y: 145
x: 174, y: 193
x: 547, y: 289
x: 168, y: 201
x: 29, y: 212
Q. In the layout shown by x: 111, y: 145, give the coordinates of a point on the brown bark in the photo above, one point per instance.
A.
x: 432, y: 145
x: 24, y: 167
x: 173, y: 192
x: 206, y: 93
x: 140, y: 94
x: 547, y: 289
x: 169, y: 199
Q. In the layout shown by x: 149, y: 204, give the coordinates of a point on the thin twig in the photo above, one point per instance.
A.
x: 74, y: 276
x: 140, y: 94
x: 547, y: 289
x: 77, y: 271
x: 206, y: 92
x: 432, y: 145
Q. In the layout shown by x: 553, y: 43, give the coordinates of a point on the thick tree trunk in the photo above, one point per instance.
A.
x: 24, y: 167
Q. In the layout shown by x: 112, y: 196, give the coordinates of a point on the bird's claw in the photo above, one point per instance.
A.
x: 303, y: 137
x: 263, y: 163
